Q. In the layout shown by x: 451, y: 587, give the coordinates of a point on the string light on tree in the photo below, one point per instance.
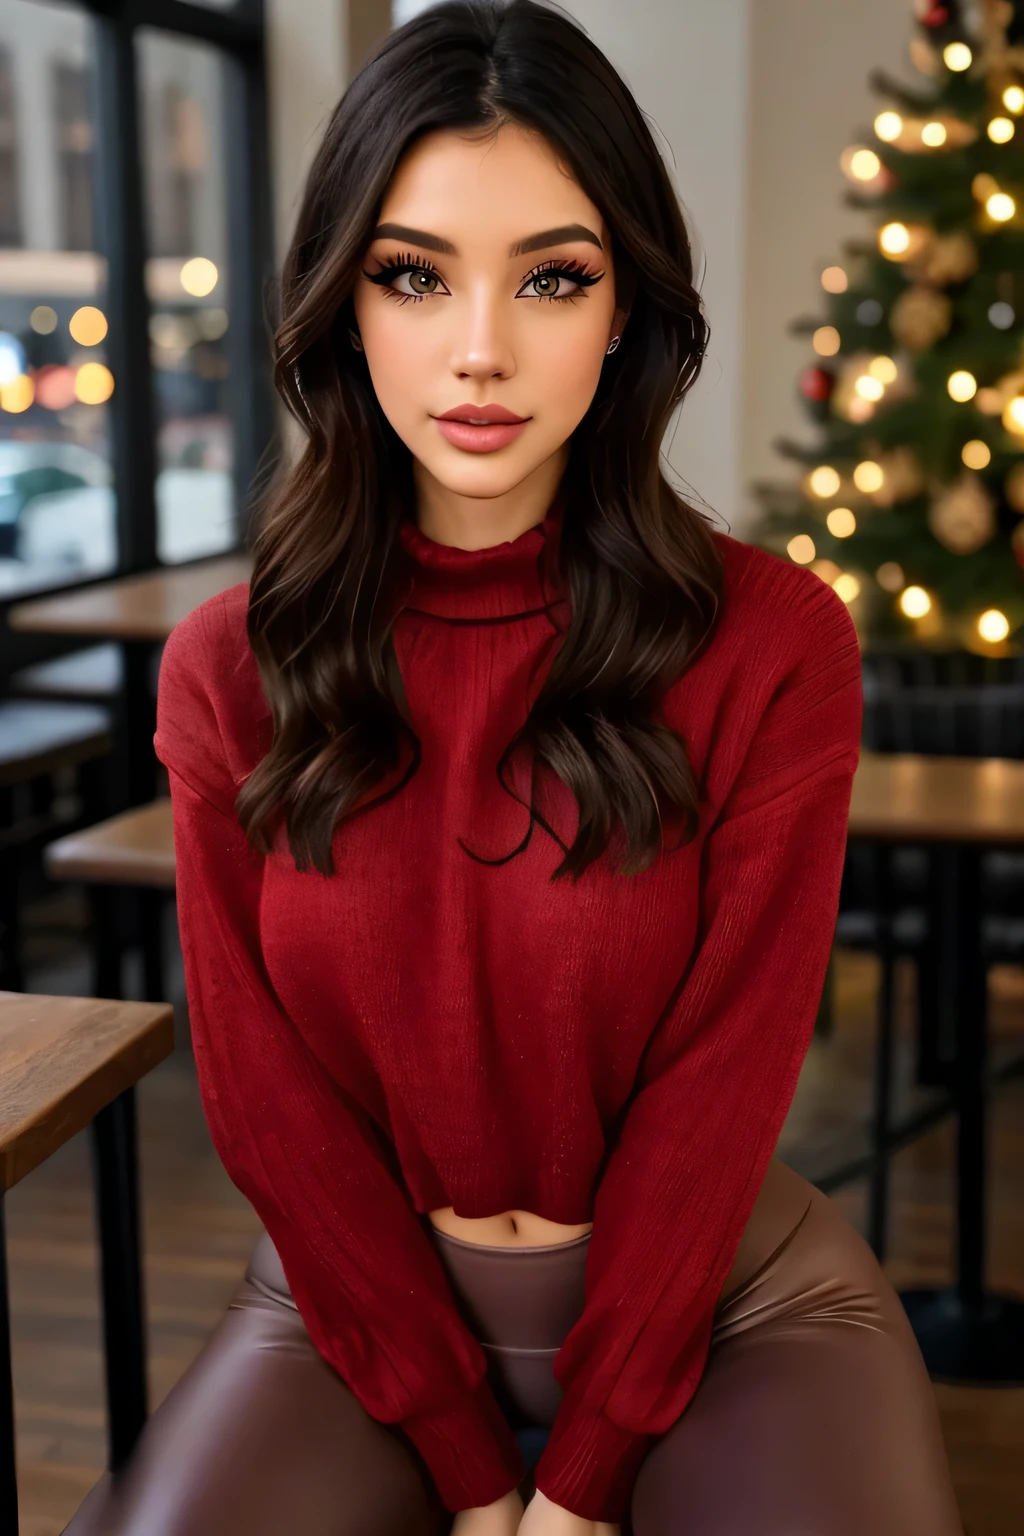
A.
x: 801, y: 548
x: 826, y: 341
x: 834, y: 280
x: 962, y: 385
x: 841, y: 522
x: 976, y: 454
x: 1013, y: 99
x: 884, y: 369
x: 957, y: 57
x: 894, y: 240
x: 993, y: 625
x: 824, y: 481
x: 1013, y: 415
x: 1001, y: 130
x: 847, y: 586
x: 934, y: 135
x: 869, y: 388
x: 868, y: 477
x: 888, y: 126
x: 915, y: 602
x: 1000, y: 207
x: 860, y: 164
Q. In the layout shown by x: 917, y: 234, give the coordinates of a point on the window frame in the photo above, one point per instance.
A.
x: 239, y: 36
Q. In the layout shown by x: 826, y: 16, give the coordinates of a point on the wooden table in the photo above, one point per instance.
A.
x: 66, y: 1062
x: 140, y: 612
x: 961, y: 807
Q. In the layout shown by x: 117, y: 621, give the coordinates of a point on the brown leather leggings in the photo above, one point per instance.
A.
x: 814, y: 1417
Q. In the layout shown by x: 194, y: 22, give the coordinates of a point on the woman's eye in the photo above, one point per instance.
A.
x: 406, y: 280
x: 415, y: 282
x: 550, y: 285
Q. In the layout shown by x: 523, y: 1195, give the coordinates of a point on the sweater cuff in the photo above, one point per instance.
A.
x: 469, y: 1449
x: 590, y: 1466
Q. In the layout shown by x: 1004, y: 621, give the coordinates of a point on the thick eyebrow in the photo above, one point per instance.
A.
x: 538, y: 242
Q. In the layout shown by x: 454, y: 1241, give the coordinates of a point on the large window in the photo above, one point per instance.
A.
x: 135, y: 251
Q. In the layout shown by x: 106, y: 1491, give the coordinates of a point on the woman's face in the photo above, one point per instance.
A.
x: 488, y: 283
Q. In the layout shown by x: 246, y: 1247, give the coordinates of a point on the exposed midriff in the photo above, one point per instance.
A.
x: 509, y: 1229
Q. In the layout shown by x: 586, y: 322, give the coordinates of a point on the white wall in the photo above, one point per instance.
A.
x: 686, y: 62
x: 307, y: 67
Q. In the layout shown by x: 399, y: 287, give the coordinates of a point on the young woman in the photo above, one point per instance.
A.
x: 510, y: 806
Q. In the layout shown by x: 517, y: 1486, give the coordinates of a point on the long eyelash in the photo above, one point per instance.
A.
x: 571, y: 267
x: 392, y: 266
x: 404, y: 261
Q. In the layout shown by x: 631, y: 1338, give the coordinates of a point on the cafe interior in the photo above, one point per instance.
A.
x: 151, y: 157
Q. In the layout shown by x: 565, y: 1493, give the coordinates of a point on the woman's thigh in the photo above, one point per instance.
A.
x: 815, y: 1415
x: 261, y: 1437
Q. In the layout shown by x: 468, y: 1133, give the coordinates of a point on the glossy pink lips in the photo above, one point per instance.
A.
x: 480, y: 429
x: 480, y: 439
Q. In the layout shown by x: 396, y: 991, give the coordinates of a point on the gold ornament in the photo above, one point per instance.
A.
x: 963, y: 516
x: 948, y: 259
x: 1013, y: 487
x: 904, y: 477
x: 910, y: 138
x: 844, y: 401
x: 920, y: 317
x: 923, y: 56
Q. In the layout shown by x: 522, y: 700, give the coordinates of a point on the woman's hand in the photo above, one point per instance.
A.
x: 498, y: 1519
x: 542, y: 1518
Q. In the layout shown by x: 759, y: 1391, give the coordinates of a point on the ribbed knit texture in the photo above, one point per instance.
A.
x: 424, y: 1029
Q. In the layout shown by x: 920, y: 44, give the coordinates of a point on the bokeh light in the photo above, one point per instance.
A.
x: 88, y: 326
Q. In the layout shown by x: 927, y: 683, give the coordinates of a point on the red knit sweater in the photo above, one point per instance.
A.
x: 423, y: 1029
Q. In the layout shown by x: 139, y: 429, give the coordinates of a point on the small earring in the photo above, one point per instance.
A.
x: 355, y: 339
x: 613, y: 345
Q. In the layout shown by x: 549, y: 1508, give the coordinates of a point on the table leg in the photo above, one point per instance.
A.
x: 878, y: 1186
x: 116, y: 1177
x: 965, y: 1332
x: 8, y: 1469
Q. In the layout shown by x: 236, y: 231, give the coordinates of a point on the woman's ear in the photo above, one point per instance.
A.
x: 618, y: 323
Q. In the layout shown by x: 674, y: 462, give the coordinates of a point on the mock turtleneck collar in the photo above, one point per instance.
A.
x: 502, y: 581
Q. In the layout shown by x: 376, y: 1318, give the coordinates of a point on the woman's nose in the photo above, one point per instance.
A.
x: 482, y: 347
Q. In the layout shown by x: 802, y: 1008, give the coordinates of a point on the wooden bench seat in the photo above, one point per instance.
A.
x: 37, y: 739
x: 133, y: 848
x: 97, y: 672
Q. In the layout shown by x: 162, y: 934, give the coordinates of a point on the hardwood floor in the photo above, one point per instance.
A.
x: 199, y: 1231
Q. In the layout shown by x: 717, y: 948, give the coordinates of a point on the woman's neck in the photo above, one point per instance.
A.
x: 480, y: 522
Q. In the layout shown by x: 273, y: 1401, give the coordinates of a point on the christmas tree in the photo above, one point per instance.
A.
x: 912, y: 500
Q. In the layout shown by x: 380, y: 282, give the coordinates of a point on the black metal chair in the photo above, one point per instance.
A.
x: 953, y: 704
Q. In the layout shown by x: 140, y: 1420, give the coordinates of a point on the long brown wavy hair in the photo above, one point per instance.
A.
x: 642, y: 571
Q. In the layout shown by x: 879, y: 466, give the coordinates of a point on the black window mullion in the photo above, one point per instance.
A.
x: 250, y: 267
x: 120, y: 219
x: 238, y: 28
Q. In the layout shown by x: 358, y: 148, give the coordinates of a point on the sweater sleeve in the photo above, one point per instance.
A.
x: 717, y: 1078
x: 365, y: 1278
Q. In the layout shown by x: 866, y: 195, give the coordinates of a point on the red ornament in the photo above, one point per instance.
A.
x: 936, y: 17
x: 816, y: 384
